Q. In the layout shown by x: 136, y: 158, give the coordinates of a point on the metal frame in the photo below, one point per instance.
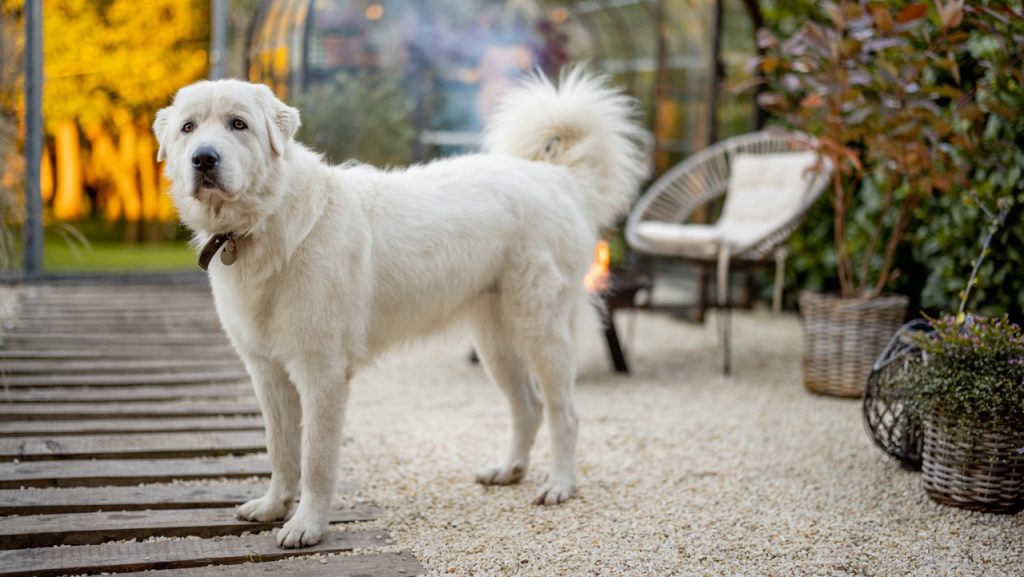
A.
x: 33, y: 138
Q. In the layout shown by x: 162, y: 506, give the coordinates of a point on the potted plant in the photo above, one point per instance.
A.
x: 878, y: 85
x: 969, y: 395
x: 966, y: 391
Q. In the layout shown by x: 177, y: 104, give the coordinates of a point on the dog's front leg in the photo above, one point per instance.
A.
x: 282, y: 418
x: 323, y: 390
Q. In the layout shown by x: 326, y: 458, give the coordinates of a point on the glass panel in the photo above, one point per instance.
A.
x: 440, y: 65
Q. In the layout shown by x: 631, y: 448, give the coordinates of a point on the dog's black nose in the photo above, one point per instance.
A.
x: 205, y: 159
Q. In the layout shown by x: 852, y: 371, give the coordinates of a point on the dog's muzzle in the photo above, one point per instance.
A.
x: 205, y: 162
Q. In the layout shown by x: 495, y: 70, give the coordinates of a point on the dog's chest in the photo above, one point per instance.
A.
x: 252, y: 316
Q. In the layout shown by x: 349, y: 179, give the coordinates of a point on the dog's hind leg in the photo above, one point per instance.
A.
x: 508, y: 369
x: 323, y: 386
x: 551, y: 355
x: 281, y: 416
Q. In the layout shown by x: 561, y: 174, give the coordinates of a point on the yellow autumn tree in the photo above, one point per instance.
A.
x: 107, y: 67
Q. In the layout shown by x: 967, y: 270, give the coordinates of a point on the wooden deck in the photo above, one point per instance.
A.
x: 126, y: 425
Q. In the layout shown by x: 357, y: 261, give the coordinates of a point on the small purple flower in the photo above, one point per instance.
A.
x: 1019, y: 361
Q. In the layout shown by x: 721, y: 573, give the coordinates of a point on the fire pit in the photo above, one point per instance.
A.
x: 618, y: 288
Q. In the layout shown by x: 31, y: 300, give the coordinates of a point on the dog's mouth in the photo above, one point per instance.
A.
x: 207, y: 183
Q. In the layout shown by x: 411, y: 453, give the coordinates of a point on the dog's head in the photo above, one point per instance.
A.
x: 224, y: 143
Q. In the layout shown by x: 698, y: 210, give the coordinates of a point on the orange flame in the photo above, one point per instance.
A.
x: 597, y: 277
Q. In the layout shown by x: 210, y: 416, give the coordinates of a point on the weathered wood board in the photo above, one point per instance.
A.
x: 215, y: 494
x: 122, y: 557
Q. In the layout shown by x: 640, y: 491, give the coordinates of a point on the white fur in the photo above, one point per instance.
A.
x: 338, y: 264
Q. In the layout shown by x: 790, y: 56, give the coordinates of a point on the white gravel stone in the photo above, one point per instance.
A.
x: 681, y: 471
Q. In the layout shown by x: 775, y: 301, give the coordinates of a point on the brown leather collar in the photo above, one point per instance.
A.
x: 224, y: 239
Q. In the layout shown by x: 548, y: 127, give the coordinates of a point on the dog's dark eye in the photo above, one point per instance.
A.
x: 239, y: 124
x: 188, y: 127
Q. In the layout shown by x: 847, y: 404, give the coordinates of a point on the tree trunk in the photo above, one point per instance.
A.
x: 67, y: 202
x: 148, y: 177
x: 46, y: 184
x: 127, y: 175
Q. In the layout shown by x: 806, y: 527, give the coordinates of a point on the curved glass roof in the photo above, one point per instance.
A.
x: 447, y: 61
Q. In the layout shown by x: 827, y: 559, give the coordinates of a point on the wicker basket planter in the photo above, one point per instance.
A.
x: 890, y: 422
x: 842, y: 338
x: 972, y: 467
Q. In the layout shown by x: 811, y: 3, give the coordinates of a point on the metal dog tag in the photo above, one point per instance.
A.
x: 229, y: 254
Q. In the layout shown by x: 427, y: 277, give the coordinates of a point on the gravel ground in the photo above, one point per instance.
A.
x: 682, y: 472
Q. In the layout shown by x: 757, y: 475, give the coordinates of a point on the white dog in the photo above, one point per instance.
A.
x: 324, y: 267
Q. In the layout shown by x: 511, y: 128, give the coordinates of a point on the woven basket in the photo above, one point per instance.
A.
x: 890, y: 424
x: 973, y: 467
x: 842, y: 338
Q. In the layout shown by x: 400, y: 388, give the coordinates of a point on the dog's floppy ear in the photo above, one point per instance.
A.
x: 160, y: 131
x: 282, y: 121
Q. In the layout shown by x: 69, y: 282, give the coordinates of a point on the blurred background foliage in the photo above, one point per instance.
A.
x: 109, y: 66
x: 934, y: 261
x: 381, y: 134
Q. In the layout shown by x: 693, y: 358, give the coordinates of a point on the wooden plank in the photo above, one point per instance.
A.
x: 127, y: 471
x: 151, y: 445
x: 140, y: 410
x: 166, y: 308
x: 129, y: 304
x: 108, y: 353
x: 380, y: 565
x: 95, y: 427
x: 19, y: 532
x: 127, y: 393
x: 16, y: 367
x: 166, y: 326
x: 8, y: 354
x: 123, y: 557
x: 123, y: 318
x: 129, y: 350
x: 153, y: 497
x: 111, y: 292
x: 161, y: 339
x: 121, y: 379
x: 139, y: 316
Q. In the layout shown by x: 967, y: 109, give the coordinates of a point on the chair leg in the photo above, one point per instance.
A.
x: 780, y: 274
x: 727, y: 340
x: 702, y: 292
x: 724, y: 317
x: 725, y: 310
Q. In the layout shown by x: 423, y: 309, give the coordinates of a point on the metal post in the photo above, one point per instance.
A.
x: 33, y: 137
x: 218, y: 37
x: 715, y: 73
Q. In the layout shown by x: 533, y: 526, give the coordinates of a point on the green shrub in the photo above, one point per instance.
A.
x: 990, y: 68
x: 365, y: 117
x: 973, y: 372
x: 978, y: 86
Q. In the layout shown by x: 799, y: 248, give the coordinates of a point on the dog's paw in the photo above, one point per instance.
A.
x: 555, y: 492
x: 302, y: 530
x: 263, y: 509
x: 502, y: 475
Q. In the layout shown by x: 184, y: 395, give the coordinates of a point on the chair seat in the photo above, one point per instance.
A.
x: 701, y: 241
x: 694, y: 240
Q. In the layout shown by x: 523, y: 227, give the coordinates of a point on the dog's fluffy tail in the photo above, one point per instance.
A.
x: 583, y: 124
